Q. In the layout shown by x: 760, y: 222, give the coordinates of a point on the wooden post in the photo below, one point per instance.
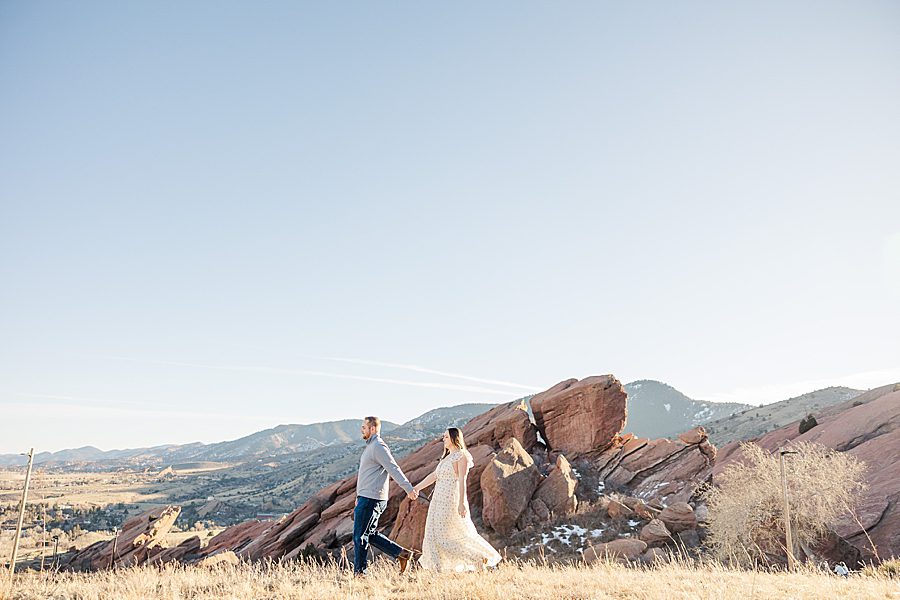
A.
x: 789, y: 539
x: 43, y: 533
x: 15, y: 551
x: 112, y: 558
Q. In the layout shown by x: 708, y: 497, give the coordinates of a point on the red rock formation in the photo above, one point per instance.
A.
x: 180, y: 552
x: 624, y: 550
x: 655, y: 533
x: 668, y: 470
x: 578, y: 417
x: 678, y: 517
x: 557, y: 490
x: 514, y: 484
x: 324, y: 520
x: 139, y: 540
x: 508, y: 483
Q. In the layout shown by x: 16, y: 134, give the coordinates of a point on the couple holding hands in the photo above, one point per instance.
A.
x: 451, y: 541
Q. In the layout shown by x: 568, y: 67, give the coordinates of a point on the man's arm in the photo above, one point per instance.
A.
x: 384, y: 458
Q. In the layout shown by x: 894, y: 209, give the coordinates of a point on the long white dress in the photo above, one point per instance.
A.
x: 451, y: 542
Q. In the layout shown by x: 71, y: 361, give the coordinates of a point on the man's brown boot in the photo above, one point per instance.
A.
x: 404, y: 558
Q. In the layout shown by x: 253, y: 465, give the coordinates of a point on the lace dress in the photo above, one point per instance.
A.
x: 451, y: 542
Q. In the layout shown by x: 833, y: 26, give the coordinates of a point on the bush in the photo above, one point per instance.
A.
x: 746, y: 508
x: 808, y: 423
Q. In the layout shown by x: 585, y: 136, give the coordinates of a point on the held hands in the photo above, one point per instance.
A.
x: 413, y: 494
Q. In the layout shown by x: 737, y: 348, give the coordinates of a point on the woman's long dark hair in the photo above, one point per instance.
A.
x: 456, y: 438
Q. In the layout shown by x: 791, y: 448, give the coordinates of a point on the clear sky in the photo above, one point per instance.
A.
x: 222, y: 216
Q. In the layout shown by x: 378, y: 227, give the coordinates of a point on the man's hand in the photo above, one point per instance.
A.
x: 413, y: 494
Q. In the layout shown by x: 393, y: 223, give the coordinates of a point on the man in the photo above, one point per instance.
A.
x: 375, y: 464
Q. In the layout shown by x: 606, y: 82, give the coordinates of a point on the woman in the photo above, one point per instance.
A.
x: 451, y: 542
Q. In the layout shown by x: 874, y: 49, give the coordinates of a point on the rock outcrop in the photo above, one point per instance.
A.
x: 526, y: 475
x: 504, y: 491
x: 668, y: 470
x: 622, y: 550
x: 508, y: 483
x: 655, y: 533
x: 578, y: 417
x: 139, y: 541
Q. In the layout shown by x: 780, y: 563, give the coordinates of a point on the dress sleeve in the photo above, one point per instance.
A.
x: 460, y: 454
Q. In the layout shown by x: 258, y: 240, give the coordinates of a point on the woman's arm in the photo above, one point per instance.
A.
x: 462, y: 471
x: 426, y: 482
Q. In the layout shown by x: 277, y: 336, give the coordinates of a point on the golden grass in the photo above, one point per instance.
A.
x: 510, y: 580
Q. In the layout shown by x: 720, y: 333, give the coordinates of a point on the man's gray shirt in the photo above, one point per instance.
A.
x: 375, y: 464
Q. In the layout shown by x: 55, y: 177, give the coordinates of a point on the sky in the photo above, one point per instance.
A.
x: 216, y: 217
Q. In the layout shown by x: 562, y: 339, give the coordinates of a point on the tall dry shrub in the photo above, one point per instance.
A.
x: 746, y: 506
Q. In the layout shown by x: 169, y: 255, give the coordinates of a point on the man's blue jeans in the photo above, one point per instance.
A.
x: 365, y: 524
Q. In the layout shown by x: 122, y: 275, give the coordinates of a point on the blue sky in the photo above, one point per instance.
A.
x: 219, y: 216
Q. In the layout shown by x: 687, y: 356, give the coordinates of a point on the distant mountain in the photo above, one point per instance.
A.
x: 755, y: 421
x: 286, y: 439
x: 657, y: 410
x: 434, y: 422
x: 280, y: 440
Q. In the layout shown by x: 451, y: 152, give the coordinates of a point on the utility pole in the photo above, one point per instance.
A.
x: 15, y: 552
x: 789, y: 538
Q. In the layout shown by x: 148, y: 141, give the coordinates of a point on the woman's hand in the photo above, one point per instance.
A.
x: 463, y: 510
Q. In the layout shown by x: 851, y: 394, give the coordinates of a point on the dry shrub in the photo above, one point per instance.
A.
x: 746, y: 507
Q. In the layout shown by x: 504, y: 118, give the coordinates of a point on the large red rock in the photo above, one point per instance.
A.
x: 623, y: 550
x: 655, y: 533
x: 508, y: 483
x: 409, y: 526
x: 577, y: 417
x: 557, y: 490
x: 678, y: 517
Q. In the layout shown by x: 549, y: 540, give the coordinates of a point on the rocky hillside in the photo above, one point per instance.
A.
x: 561, y: 480
x: 868, y: 427
x: 656, y: 409
x: 753, y: 422
x: 566, y: 483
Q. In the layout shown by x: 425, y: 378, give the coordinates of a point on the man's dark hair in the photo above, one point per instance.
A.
x: 374, y: 421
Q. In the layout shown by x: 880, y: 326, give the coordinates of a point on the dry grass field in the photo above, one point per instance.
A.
x: 510, y: 580
x: 89, y: 489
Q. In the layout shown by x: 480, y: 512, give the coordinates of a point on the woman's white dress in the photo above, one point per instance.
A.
x: 451, y: 542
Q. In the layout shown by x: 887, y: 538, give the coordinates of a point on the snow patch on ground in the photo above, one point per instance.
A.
x: 566, y: 534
